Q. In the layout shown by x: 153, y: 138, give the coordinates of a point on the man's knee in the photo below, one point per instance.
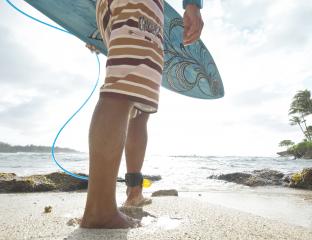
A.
x: 116, y: 102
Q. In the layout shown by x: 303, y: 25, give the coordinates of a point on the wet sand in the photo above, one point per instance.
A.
x: 23, y: 217
x: 288, y: 205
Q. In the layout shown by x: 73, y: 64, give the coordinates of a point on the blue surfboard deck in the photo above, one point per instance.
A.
x: 188, y: 70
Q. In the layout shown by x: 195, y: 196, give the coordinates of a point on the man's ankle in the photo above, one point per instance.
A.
x: 101, y: 211
x: 134, y: 191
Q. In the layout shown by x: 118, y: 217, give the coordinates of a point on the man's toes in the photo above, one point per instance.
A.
x: 134, y: 223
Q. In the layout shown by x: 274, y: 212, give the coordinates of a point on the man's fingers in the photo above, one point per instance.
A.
x: 189, y: 39
x: 187, y: 25
x: 186, y: 32
x: 193, y: 33
x: 192, y: 38
x: 189, y: 31
x: 195, y: 26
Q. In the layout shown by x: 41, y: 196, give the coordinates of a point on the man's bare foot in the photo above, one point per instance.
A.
x: 135, y: 197
x: 119, y: 220
x: 137, y: 201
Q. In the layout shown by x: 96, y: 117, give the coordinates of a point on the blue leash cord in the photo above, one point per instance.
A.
x: 57, y: 135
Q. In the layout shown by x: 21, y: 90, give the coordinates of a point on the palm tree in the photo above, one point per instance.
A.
x: 296, y: 120
x: 309, y: 131
x: 302, y: 105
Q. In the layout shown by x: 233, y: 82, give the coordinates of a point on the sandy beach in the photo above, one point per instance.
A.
x: 23, y: 217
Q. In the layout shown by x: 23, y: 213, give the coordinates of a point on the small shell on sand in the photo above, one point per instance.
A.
x: 73, y: 222
x: 47, y: 209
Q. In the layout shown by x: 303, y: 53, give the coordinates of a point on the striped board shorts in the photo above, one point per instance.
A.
x: 132, y: 31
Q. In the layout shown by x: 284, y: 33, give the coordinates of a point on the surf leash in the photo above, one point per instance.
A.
x: 84, y: 103
x: 146, y: 182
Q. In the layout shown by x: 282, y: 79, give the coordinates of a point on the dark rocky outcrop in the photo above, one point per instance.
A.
x: 267, y: 177
x: 152, y: 177
x: 64, y: 182
x: 10, y: 183
x: 57, y: 181
x: 170, y: 192
x: 237, y: 177
x: 261, y: 177
x: 302, y: 179
x: 285, y: 154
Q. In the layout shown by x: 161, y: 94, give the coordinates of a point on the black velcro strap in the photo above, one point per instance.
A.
x: 134, y: 179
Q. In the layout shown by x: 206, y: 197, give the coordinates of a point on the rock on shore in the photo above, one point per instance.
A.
x: 261, y: 177
x: 10, y: 183
x: 285, y: 154
x: 306, y: 155
x: 267, y: 177
x: 302, y: 179
x: 170, y: 192
x: 57, y: 181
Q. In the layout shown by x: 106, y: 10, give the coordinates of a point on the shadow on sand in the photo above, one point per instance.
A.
x: 98, y: 234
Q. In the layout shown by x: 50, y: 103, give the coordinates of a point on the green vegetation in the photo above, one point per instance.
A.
x: 301, y: 149
x: 297, y: 177
x: 300, y: 109
x: 286, y: 143
x: 7, y: 148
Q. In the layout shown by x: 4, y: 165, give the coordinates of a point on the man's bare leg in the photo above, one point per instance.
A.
x: 106, y: 142
x: 135, y: 148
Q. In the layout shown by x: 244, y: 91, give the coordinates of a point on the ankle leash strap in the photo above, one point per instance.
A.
x: 134, y: 179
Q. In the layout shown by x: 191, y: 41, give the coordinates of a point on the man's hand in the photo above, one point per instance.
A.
x: 193, y: 24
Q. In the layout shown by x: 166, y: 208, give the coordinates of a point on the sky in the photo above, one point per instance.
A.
x: 262, y: 49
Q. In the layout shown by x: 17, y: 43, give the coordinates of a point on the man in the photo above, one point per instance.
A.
x: 132, y: 30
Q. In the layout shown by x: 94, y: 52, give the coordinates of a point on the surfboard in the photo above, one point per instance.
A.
x: 188, y: 70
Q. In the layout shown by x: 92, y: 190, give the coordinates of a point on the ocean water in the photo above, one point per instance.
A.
x: 184, y: 173
x: 188, y: 174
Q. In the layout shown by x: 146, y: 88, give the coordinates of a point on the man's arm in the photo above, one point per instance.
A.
x: 193, y: 22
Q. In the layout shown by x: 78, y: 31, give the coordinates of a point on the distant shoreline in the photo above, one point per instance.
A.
x: 7, y: 148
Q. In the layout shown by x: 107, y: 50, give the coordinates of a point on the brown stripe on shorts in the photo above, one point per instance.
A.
x: 133, y: 62
x: 135, y: 50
